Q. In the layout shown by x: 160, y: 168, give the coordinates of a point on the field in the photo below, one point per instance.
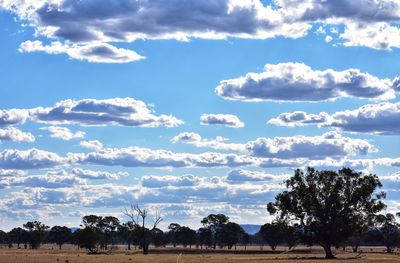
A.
x: 253, y: 254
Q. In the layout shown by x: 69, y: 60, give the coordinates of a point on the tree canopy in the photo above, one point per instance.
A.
x: 329, y: 205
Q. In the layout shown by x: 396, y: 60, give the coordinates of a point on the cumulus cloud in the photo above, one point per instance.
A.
x: 13, y: 117
x: 219, y: 143
x: 12, y: 173
x: 373, y: 35
x: 29, y: 159
x: 380, y: 119
x: 331, y: 144
x: 15, y: 135
x: 152, y: 181
x: 84, y: 29
x: 298, y: 82
x: 145, y: 157
x: 89, y: 174
x: 44, y: 181
x: 96, y: 52
x: 299, y: 118
x: 240, y: 176
x: 227, y: 120
x: 63, y: 133
x: 93, y: 145
x: 115, y: 111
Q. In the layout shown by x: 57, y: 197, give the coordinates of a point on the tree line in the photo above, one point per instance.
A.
x: 327, y: 208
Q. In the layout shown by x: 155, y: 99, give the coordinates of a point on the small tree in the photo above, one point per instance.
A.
x: 172, y: 233
x: 245, y: 239
x: 214, y: 222
x: 127, y: 232
x: 389, y: 230
x: 273, y: 234
x: 204, y: 237
x: 331, y: 205
x: 138, y: 218
x: 186, y: 236
x: 60, y: 235
x: 87, y: 238
x: 18, y: 236
x: 37, y: 233
x: 230, y: 234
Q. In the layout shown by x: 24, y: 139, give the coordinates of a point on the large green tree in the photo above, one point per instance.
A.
x: 331, y: 205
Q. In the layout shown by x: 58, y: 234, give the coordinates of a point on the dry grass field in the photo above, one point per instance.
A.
x: 71, y: 255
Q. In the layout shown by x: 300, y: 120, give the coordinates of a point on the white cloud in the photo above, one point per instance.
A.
x: 13, y: 117
x: 373, y: 35
x: 29, y: 159
x: 240, y: 176
x: 298, y: 82
x: 95, y: 53
x: 227, y: 120
x: 330, y: 144
x: 380, y: 119
x: 93, y: 145
x: 219, y: 143
x: 63, y: 133
x: 11, y: 173
x: 299, y: 118
x: 89, y: 174
x: 115, y: 111
x: 144, y: 157
x: 84, y: 30
x: 15, y: 135
x: 42, y: 181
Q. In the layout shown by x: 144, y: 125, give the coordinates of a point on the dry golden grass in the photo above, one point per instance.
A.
x: 72, y: 255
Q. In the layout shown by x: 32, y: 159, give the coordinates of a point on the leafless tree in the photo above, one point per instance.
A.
x: 138, y: 217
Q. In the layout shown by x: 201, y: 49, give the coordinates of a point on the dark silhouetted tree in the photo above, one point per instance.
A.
x: 272, y: 233
x: 127, y: 233
x: 186, y: 236
x: 230, y: 234
x: 204, y: 237
x: 214, y: 222
x: 172, y: 233
x: 60, y: 235
x: 332, y: 205
x: 88, y: 238
x: 18, y: 236
x: 36, y: 233
x: 138, y: 217
x: 389, y: 229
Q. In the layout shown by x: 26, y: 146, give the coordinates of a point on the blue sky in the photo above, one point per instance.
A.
x: 96, y: 115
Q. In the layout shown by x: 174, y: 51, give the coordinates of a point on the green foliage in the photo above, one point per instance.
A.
x: 330, y: 206
x: 60, y: 235
x: 36, y: 233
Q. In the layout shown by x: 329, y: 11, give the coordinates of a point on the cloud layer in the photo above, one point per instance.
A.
x: 84, y: 30
x: 227, y: 120
x: 380, y: 119
x: 115, y: 111
x: 298, y: 82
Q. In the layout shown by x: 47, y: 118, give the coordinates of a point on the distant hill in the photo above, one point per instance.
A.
x: 251, y: 229
x: 73, y: 229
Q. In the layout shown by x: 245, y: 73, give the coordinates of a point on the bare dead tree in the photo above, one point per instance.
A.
x: 138, y: 217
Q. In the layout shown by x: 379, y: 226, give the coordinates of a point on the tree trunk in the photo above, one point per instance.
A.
x: 355, y: 249
x: 129, y: 245
x: 60, y: 245
x: 328, y: 252
x: 388, y: 249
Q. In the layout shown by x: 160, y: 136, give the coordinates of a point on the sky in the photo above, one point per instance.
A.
x: 192, y: 107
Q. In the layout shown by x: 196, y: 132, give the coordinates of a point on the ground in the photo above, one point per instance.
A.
x: 301, y: 255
